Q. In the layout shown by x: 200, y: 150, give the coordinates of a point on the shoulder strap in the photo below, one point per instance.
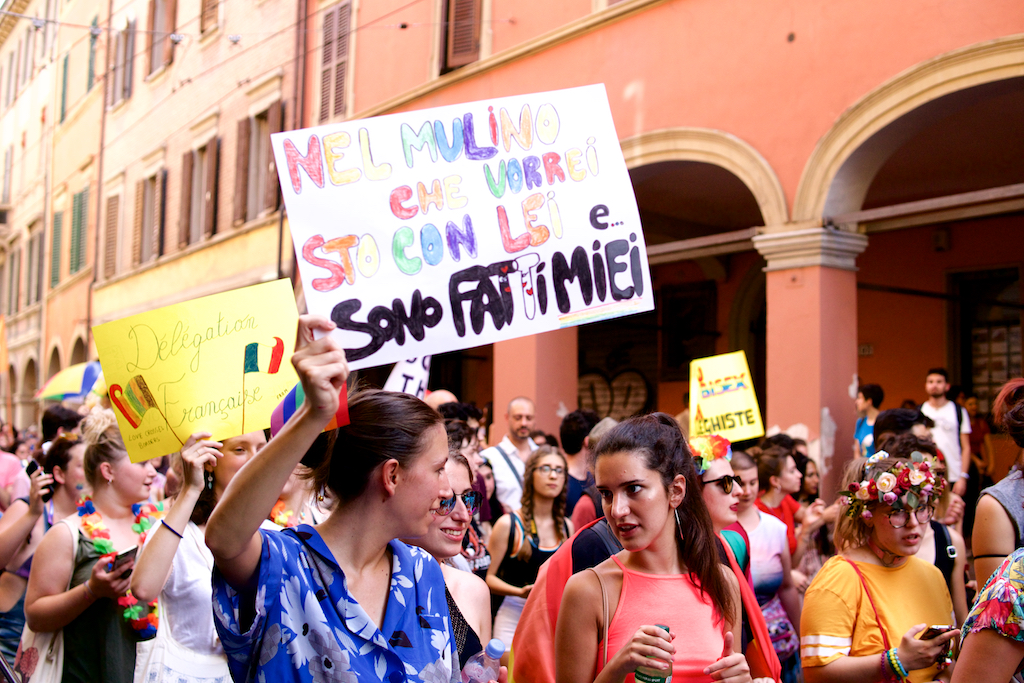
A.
x: 508, y: 462
x: 70, y: 522
x: 878, y: 619
x: 763, y: 656
x: 595, y: 497
x: 604, y: 617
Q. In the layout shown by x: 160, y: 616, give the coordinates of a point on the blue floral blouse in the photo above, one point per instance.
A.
x: 308, y: 629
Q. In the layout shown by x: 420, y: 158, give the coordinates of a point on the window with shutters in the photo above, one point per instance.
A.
x: 36, y: 263
x: 160, y: 47
x: 94, y: 36
x: 110, y: 236
x: 121, y: 62
x: 79, y: 223
x: 30, y: 62
x: 14, y: 281
x: 9, y: 93
x: 256, y: 185
x: 461, y: 34
x: 148, y: 240
x: 334, y: 61
x: 55, y: 244
x: 208, y: 18
x: 64, y: 90
x: 199, y: 203
x: 5, y: 197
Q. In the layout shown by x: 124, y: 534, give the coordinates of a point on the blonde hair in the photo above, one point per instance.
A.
x: 103, y: 443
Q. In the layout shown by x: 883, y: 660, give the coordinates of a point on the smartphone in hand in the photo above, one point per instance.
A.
x: 935, y: 631
x: 123, y: 557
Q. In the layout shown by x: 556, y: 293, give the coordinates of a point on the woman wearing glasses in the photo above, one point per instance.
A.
x: 467, y: 595
x: 525, y: 539
x: 867, y: 611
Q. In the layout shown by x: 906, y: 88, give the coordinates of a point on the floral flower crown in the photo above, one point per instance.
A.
x: 707, y: 449
x: 903, y: 486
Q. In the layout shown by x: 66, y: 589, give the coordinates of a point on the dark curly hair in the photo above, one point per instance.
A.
x: 1008, y: 412
x: 658, y: 439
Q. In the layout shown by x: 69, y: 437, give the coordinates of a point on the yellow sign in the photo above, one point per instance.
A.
x: 219, y: 364
x: 722, y: 399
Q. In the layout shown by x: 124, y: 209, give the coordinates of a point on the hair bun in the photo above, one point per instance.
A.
x: 96, y: 424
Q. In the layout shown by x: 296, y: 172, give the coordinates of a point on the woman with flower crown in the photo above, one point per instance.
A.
x: 73, y: 585
x: 867, y: 611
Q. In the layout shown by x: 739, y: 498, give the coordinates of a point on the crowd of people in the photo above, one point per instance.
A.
x: 611, y: 551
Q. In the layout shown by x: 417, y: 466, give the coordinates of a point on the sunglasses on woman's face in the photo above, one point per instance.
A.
x: 471, y: 499
x: 725, y: 483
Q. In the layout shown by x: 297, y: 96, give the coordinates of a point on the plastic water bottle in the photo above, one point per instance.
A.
x: 644, y: 674
x: 484, y: 666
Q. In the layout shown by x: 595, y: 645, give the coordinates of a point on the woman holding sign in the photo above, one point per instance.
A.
x: 345, y: 599
x: 177, y: 566
x: 80, y: 573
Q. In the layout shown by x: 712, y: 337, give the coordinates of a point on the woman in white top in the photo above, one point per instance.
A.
x: 177, y: 565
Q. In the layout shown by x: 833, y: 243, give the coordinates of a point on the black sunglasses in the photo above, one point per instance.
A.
x: 472, y: 500
x: 725, y: 483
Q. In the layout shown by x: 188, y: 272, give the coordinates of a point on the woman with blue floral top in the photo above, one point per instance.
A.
x: 342, y: 601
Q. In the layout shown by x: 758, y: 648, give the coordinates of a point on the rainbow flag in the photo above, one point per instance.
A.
x: 134, y: 401
x: 264, y: 358
x: 295, y: 398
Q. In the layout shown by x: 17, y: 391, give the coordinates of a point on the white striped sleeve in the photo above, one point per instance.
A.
x: 825, y: 648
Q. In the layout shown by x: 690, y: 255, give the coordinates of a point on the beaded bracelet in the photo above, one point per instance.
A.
x: 897, y: 666
x: 171, y: 529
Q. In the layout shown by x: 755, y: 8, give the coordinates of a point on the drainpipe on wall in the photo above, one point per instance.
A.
x: 99, y: 178
x: 299, y: 109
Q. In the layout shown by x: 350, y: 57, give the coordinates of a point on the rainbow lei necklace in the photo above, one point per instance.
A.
x: 142, y: 620
x: 282, y: 517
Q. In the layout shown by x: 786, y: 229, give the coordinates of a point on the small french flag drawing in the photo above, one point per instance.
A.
x: 263, y: 357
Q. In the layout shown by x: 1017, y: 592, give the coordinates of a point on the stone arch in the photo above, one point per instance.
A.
x: 78, y: 353
x: 54, y: 365
x: 819, y: 191
x: 713, y: 147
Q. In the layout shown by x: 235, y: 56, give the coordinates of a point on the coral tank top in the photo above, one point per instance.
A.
x: 675, y: 601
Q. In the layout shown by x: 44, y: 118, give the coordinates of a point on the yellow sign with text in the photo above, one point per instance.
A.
x: 722, y: 398
x: 219, y: 364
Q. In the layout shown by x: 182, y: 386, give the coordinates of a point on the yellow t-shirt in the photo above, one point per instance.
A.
x: 838, y: 620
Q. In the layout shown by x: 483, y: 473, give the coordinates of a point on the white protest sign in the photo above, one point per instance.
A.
x: 410, y: 377
x: 449, y: 228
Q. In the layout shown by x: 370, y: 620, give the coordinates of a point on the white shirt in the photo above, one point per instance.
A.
x: 945, y: 435
x: 507, y: 482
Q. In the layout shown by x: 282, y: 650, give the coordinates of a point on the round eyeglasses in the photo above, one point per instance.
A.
x: 899, y: 518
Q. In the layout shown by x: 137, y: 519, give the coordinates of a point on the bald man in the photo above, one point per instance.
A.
x: 508, y: 458
x: 436, y: 399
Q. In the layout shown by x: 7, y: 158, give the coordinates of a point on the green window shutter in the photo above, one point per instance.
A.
x: 93, y: 37
x: 76, y: 234
x: 64, y: 91
x: 83, y: 202
x: 58, y: 224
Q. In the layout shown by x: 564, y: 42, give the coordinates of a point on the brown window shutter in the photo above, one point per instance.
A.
x: 463, y: 32
x: 327, y: 64
x: 242, y: 171
x: 171, y: 23
x: 110, y: 237
x: 210, y: 191
x: 159, y: 199
x: 341, y: 60
x: 209, y: 16
x: 129, y: 59
x: 150, y: 23
x: 185, y: 217
x: 140, y: 199
x: 274, y: 116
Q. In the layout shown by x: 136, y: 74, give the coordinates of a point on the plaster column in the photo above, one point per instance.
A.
x: 812, y: 339
x: 542, y: 367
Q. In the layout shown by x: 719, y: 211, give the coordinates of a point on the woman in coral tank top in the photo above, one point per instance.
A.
x: 668, y: 574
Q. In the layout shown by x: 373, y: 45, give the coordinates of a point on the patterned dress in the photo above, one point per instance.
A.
x: 308, y: 629
x: 1000, y: 604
